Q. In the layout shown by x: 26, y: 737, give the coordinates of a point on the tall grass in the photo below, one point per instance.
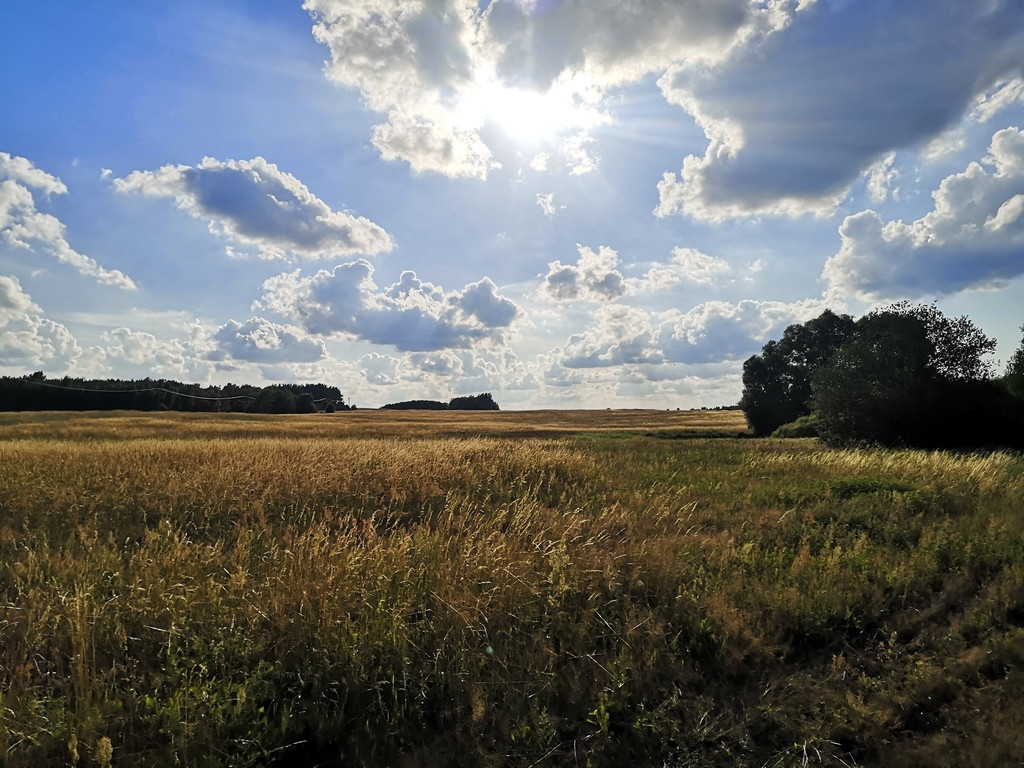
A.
x: 214, y: 596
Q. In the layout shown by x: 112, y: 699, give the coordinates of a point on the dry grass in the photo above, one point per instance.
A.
x: 438, y: 589
x: 114, y: 425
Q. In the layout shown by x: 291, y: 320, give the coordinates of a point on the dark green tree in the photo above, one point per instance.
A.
x: 305, y: 403
x: 481, y: 402
x: 777, y: 383
x: 909, y: 376
x: 274, y: 399
x: 1013, y: 378
x: 959, y: 346
x: 873, y: 388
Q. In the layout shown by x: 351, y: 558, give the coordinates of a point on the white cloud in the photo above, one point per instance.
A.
x: 262, y: 341
x: 593, y: 276
x: 578, y: 157
x: 717, y: 331
x: 23, y: 226
x: 547, y: 203
x: 971, y: 239
x: 411, y: 315
x: 439, y: 374
x: 795, y: 117
x: 379, y: 369
x: 713, y: 332
x: 22, y: 171
x: 255, y: 204
x: 440, y: 70
x: 139, y: 348
x: 698, y: 267
x: 35, y: 342
x: 621, y: 335
x: 15, y: 304
x: 882, y: 177
x: 29, y: 341
x: 1004, y: 95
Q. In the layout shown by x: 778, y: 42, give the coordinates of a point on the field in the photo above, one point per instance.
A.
x: 501, y: 589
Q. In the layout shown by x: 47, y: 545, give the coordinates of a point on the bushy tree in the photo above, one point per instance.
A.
x: 274, y: 399
x: 305, y: 403
x: 874, y: 387
x: 959, y: 347
x: 910, y: 376
x: 777, y: 383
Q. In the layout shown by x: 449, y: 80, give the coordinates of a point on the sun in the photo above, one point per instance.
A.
x: 526, y: 115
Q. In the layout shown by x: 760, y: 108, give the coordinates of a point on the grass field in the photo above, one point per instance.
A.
x: 541, y: 588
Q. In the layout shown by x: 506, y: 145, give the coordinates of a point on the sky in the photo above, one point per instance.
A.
x: 565, y: 203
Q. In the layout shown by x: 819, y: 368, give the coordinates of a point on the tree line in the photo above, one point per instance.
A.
x: 35, y: 392
x: 482, y: 402
x: 903, y: 375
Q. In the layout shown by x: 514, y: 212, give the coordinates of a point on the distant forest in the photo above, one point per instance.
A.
x: 481, y: 402
x: 37, y: 393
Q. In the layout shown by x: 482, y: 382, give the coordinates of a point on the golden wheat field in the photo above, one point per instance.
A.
x: 501, y: 589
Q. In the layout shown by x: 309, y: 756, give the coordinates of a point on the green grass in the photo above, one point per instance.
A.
x: 522, y: 589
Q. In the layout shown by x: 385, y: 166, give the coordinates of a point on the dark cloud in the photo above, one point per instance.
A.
x: 254, y: 203
x: 794, y: 119
x: 424, y: 64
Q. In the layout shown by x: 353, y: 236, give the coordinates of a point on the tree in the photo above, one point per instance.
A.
x: 274, y: 399
x: 873, y: 388
x: 777, y: 383
x: 959, y: 346
x: 305, y: 403
x: 481, y: 402
x: 1014, y: 376
x: 910, y: 376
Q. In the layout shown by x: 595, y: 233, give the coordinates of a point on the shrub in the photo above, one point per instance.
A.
x: 805, y: 426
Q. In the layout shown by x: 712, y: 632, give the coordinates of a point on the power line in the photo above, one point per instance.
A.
x: 132, y: 391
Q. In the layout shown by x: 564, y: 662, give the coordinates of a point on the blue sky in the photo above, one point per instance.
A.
x: 566, y: 203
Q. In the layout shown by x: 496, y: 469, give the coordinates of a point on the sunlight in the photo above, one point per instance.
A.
x: 527, y: 115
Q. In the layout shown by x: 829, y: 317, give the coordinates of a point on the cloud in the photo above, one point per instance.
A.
x: 1004, y: 95
x: 795, y: 117
x: 621, y: 335
x: 611, y: 42
x: 262, y: 341
x: 410, y: 315
x: 35, y: 342
x: 254, y: 203
x: 713, y: 332
x: 156, y: 356
x: 438, y: 375
x: 380, y: 369
x: 718, y: 331
x: 23, y: 226
x: 578, y: 157
x: 973, y: 237
x: 547, y: 203
x: 593, y: 276
x: 15, y: 304
x: 28, y: 341
x: 440, y: 70
x: 481, y: 301
x: 698, y: 267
